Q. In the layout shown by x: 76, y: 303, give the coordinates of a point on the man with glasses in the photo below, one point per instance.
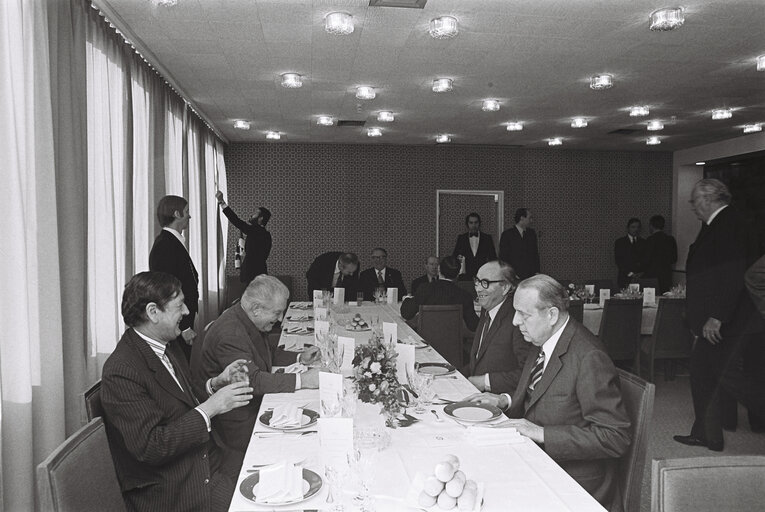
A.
x: 498, y: 351
x: 380, y: 275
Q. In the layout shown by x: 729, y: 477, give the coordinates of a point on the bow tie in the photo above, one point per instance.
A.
x: 473, y: 234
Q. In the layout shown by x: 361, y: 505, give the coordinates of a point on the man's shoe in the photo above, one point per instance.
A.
x: 715, y: 447
x: 690, y: 441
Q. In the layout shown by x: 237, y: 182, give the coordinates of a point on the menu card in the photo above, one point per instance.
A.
x: 339, y: 296
x: 330, y: 394
x: 634, y: 287
x: 404, y: 362
x: 590, y: 289
x: 390, y: 332
x: 320, y: 331
x: 335, y: 440
x: 392, y: 295
x: 318, y: 298
x: 604, y: 296
x: 348, y: 347
x: 649, y: 296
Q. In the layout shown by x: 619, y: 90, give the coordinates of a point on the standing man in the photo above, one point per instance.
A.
x: 630, y: 254
x: 158, y: 430
x: 475, y: 247
x: 431, y: 274
x: 380, y: 275
x: 169, y: 254
x: 518, y: 246
x: 661, y: 249
x: 257, y: 246
x: 334, y: 270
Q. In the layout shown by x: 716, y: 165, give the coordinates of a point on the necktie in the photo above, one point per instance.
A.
x: 473, y: 234
x: 485, y: 329
x: 536, y: 372
x: 380, y: 277
x: 336, y: 279
x: 180, y: 377
x: 171, y: 369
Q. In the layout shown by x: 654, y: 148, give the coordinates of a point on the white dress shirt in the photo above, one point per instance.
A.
x: 474, y: 240
x: 714, y: 214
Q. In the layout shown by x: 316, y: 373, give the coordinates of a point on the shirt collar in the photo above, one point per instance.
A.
x: 337, y: 267
x: 156, y: 346
x: 493, y: 311
x: 714, y: 214
x: 552, y: 342
x: 176, y: 234
x: 381, y: 270
x: 520, y: 229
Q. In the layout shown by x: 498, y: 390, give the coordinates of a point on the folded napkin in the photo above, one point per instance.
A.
x: 280, y: 483
x: 301, y: 305
x: 299, y: 317
x: 488, y: 436
x: 298, y: 329
x: 286, y: 415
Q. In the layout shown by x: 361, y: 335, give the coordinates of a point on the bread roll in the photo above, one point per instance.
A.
x: 456, y: 484
x: 433, y: 486
x: 466, y: 501
x: 444, y: 471
x: 446, y: 502
x: 426, y: 500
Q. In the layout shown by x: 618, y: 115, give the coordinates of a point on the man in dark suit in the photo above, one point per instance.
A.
x: 169, y: 254
x: 334, y: 270
x: 431, y: 274
x: 755, y: 283
x: 568, y: 398
x: 475, y: 247
x: 257, y: 246
x: 630, y: 254
x: 719, y: 312
x: 158, y: 431
x: 380, y: 275
x: 498, y: 352
x: 661, y: 250
x: 442, y: 292
x: 518, y: 245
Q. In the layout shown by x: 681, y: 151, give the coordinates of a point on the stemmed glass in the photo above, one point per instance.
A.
x: 335, y: 476
x: 367, y: 443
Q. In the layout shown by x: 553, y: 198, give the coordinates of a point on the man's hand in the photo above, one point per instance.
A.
x: 229, y: 397
x: 310, y: 379
x: 489, y: 399
x: 219, y: 197
x: 528, y: 429
x: 310, y: 356
x: 711, y: 330
x: 188, y: 335
x: 478, y: 381
x: 235, y: 372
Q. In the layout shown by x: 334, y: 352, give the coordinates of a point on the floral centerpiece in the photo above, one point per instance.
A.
x: 579, y: 292
x: 374, y: 372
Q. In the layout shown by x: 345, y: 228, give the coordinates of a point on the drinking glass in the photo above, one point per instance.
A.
x: 427, y: 393
x: 240, y: 373
x: 359, y: 298
x: 367, y: 443
x: 335, y: 476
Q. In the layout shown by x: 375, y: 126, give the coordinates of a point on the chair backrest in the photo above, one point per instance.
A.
x: 441, y: 327
x: 576, y: 310
x: 649, y: 282
x: 638, y: 396
x: 79, y: 475
x: 92, y: 396
x: 601, y: 284
x: 706, y: 484
x: 620, y: 328
x: 287, y: 280
x: 468, y: 286
x: 672, y: 338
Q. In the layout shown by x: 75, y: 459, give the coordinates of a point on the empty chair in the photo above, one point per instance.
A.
x: 92, y: 396
x: 79, y: 475
x: 708, y: 484
x: 638, y: 398
x: 620, y: 329
x: 441, y: 328
x: 576, y: 310
x: 671, y: 338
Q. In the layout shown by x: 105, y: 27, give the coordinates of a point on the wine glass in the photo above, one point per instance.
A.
x: 335, y: 476
x: 427, y: 393
x: 367, y: 443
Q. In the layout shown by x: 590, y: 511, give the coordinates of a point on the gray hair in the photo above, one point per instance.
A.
x: 713, y: 190
x: 551, y: 292
x: 264, y: 291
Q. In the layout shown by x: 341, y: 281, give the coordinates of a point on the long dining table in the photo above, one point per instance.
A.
x: 514, y: 476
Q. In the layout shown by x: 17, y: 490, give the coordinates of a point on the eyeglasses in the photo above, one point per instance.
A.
x: 485, y: 282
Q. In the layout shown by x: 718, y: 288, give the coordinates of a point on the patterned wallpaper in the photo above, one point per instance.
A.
x: 355, y: 197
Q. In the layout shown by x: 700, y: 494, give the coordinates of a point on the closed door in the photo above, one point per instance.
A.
x: 454, y: 205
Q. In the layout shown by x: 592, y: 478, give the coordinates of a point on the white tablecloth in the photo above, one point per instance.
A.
x: 593, y: 314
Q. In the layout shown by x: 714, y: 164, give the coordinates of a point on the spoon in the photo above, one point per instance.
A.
x: 438, y: 418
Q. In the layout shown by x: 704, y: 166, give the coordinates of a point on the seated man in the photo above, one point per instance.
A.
x: 498, y: 352
x: 442, y: 292
x: 380, y: 275
x: 241, y: 333
x: 334, y: 270
x: 568, y: 399
x: 431, y: 274
x: 158, y: 431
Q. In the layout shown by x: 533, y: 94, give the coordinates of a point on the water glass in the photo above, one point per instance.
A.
x: 240, y: 373
x: 359, y: 298
x: 367, y: 443
x: 335, y: 477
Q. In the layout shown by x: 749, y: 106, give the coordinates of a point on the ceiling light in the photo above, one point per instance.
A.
x: 721, y: 113
x: 654, y: 126
x: 600, y: 82
x: 652, y: 141
x: 442, y: 85
x: 490, y: 105
x: 292, y: 80
x: 578, y: 122
x: 442, y: 138
x: 374, y: 132
x: 514, y: 127
x: 666, y: 19
x: 752, y: 128
x: 273, y: 135
x: 240, y: 124
x: 325, y: 120
x: 385, y: 117
x: 365, y: 93
x: 338, y: 23
x: 554, y: 142
x: 444, y: 27
x: 761, y: 63
x: 638, y: 111
x: 700, y: 163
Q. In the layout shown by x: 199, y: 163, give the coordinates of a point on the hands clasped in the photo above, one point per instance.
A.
x: 311, y: 355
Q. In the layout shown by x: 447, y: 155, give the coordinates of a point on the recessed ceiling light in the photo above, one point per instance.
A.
x: 700, y: 163
x: 669, y: 18
x: 292, y: 80
x: 444, y: 27
x: 752, y: 128
x: 556, y: 141
x: 654, y: 126
x: 385, y: 116
x: 490, y: 105
x: 273, y: 135
x: 240, y: 124
x: 514, y: 126
x: 639, y: 111
x: 761, y: 63
x: 442, y: 85
x: 325, y: 120
x: 722, y: 113
x: 443, y: 138
x: 600, y: 82
x: 374, y: 132
x: 652, y: 141
x: 338, y: 23
x: 365, y: 93
x: 578, y: 122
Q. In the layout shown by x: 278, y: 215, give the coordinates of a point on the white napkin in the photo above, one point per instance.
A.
x: 299, y: 317
x: 286, y: 415
x: 280, y: 483
x: 297, y: 329
x: 487, y: 436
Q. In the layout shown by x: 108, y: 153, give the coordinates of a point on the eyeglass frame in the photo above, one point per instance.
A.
x: 486, y: 282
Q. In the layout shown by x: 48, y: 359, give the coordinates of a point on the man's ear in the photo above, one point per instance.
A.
x: 554, y: 315
x: 177, y: 214
x: 152, y: 311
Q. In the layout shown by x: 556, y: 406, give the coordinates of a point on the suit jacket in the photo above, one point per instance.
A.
x: 423, y: 279
x: 233, y: 336
x: 502, y: 352
x: 578, y: 401
x: 257, y: 247
x: 629, y: 258
x: 368, y: 282
x: 321, y: 272
x: 661, y: 251
x: 521, y: 253
x: 484, y: 253
x: 169, y: 255
x: 755, y: 283
x: 163, y: 454
x: 440, y: 293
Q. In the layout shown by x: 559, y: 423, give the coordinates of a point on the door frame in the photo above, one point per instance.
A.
x: 499, y: 200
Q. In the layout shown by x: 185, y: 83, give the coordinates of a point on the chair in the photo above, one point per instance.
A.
x: 620, y: 329
x: 601, y: 284
x: 92, y: 396
x: 706, y: 484
x: 287, y: 280
x: 79, y: 475
x: 468, y: 286
x: 649, y: 282
x: 638, y: 398
x: 576, y: 310
x: 671, y: 339
x: 441, y: 327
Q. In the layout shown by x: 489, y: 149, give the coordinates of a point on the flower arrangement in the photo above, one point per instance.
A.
x: 374, y: 372
x: 578, y: 292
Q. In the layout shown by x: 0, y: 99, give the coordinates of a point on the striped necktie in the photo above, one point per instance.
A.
x: 380, y: 279
x: 536, y: 372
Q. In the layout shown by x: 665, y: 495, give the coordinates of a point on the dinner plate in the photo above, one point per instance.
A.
x: 472, y: 412
x: 436, y: 369
x: 416, y: 343
x: 299, y: 318
x: 303, y: 330
x: 309, y: 418
x: 358, y: 329
x: 301, y: 305
x: 311, y: 485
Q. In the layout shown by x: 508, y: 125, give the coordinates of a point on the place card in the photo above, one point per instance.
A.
x: 320, y: 313
x: 318, y: 298
x: 649, y: 296
x: 330, y: 394
x: 320, y: 331
x: 339, y: 296
x: 404, y: 362
x: 335, y: 440
x: 393, y: 296
x: 390, y: 332
x: 348, y: 347
x: 604, y: 296
x: 634, y: 287
x: 590, y: 289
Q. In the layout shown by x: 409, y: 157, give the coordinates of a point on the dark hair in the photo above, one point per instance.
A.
x: 521, y: 212
x: 143, y: 288
x: 633, y: 219
x: 449, y: 267
x: 265, y: 214
x: 348, y: 258
x: 167, y: 207
x: 507, y: 272
x: 380, y: 249
x: 472, y: 214
x: 656, y: 222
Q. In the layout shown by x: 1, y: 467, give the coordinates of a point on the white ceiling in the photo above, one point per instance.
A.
x: 535, y: 56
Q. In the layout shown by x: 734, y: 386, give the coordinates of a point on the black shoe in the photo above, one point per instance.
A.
x: 729, y: 428
x: 715, y: 447
x: 690, y: 440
